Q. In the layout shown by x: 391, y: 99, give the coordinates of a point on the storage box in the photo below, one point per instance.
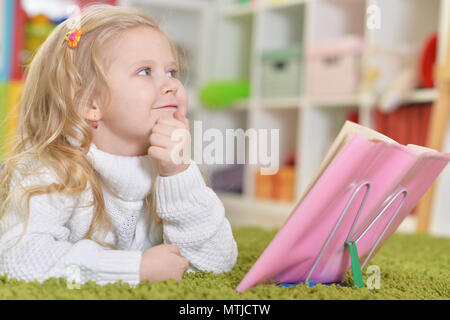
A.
x: 284, y: 184
x: 281, y: 72
x: 334, y: 68
x: 280, y: 186
x: 228, y: 179
x: 263, y: 185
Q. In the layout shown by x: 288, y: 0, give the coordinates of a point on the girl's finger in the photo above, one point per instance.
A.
x: 182, y: 118
x: 157, y: 153
x: 172, y: 122
x: 174, y: 248
x: 163, y: 129
x: 160, y: 140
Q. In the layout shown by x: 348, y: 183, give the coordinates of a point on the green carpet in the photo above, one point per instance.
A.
x: 411, y: 266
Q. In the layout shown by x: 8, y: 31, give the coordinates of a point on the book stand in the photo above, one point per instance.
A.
x: 353, y: 244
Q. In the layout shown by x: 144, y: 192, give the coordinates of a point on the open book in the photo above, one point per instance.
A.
x: 365, y: 186
x: 348, y: 129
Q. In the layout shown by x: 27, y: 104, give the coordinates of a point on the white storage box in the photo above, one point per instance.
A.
x: 281, y: 72
x: 334, y: 68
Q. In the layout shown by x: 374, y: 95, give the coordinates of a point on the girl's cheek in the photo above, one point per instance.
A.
x: 184, y: 105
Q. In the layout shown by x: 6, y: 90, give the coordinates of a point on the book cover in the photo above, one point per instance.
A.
x: 366, y: 185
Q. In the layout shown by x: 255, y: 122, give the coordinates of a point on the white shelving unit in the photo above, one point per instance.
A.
x: 307, y: 125
x: 227, y: 41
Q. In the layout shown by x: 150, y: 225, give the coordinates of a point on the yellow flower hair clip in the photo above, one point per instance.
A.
x: 73, y: 37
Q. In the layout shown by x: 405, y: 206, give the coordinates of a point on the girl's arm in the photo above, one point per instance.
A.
x: 194, y: 219
x: 45, y: 250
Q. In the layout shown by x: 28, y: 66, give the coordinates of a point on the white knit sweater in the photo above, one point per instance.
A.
x: 192, y: 216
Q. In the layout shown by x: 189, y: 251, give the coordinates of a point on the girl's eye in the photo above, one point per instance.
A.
x: 144, y: 70
x: 173, y: 72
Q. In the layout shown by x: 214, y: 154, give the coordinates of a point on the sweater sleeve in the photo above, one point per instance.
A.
x: 194, y: 219
x: 45, y: 251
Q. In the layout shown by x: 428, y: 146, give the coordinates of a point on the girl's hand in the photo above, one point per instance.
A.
x: 170, y: 137
x: 162, y: 262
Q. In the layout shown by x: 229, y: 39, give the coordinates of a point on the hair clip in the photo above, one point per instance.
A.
x: 73, y: 37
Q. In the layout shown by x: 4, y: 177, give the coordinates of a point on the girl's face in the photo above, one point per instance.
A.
x: 141, y: 76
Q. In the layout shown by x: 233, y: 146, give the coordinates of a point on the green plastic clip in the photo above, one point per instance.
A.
x: 356, y: 267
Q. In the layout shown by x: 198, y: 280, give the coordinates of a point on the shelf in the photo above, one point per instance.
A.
x: 310, y: 122
x: 282, y: 4
x: 277, y: 103
x: 241, y: 210
x: 167, y: 4
x: 350, y: 101
x: 269, y: 214
x: 423, y: 96
x: 297, y: 102
x: 238, y: 10
x: 330, y: 102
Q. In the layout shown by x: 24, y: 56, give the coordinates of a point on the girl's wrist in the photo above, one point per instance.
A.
x: 182, y: 168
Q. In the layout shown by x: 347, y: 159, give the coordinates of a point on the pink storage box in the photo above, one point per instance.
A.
x: 334, y: 67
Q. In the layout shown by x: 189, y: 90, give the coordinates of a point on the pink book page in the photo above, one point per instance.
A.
x: 389, y: 168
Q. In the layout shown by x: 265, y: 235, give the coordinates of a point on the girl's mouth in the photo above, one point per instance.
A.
x: 166, y: 107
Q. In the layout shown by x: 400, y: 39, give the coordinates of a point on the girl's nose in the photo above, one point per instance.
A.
x: 169, y: 85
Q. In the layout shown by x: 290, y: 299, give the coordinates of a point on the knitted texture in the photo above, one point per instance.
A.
x: 193, y: 218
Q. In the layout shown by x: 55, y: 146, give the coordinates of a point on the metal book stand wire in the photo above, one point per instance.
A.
x: 352, y: 244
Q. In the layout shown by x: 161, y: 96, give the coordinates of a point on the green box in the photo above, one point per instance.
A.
x: 281, y: 72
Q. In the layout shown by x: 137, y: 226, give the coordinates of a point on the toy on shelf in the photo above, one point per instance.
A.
x: 390, y: 75
x: 428, y: 60
x: 221, y: 94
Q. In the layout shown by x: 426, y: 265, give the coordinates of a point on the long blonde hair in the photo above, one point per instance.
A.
x: 59, y: 82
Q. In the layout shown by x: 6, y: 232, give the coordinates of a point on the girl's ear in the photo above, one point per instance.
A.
x: 91, y: 112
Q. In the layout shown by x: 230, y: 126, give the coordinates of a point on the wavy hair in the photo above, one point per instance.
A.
x: 59, y: 82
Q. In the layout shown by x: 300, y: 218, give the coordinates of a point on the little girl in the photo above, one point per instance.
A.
x: 90, y: 189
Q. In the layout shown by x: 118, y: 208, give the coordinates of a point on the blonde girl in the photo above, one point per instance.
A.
x: 90, y: 189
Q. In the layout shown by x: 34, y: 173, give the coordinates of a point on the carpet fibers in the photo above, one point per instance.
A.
x: 411, y: 267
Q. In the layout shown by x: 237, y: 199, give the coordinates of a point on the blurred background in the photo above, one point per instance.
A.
x: 300, y: 66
